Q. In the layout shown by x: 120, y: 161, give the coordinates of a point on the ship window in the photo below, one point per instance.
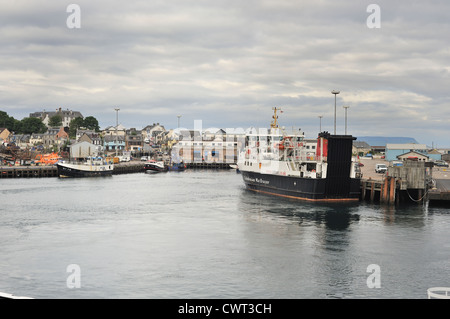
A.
x: 310, y: 166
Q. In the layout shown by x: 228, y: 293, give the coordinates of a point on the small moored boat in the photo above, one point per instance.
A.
x: 155, y: 167
x: 177, y: 166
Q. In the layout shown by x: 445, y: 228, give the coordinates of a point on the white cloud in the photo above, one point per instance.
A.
x: 230, y: 62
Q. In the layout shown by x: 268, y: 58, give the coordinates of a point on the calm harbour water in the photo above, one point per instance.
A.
x: 200, y: 234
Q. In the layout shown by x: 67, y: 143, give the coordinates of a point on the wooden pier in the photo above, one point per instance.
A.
x: 127, y: 168
x: 204, y: 165
x: 28, y: 171
x: 52, y: 171
x: 407, y: 183
x: 440, y: 193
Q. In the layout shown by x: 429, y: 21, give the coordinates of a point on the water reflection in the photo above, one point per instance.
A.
x: 334, y: 216
x: 317, y: 239
x: 331, y: 245
x: 405, y: 215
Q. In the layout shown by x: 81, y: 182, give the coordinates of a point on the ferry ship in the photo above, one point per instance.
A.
x: 279, y: 163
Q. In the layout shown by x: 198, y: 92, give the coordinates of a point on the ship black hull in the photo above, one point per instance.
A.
x: 64, y: 171
x: 154, y: 169
x: 314, y: 189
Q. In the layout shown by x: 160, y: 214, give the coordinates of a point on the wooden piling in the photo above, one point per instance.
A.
x: 363, y: 191
x: 384, y: 190
x: 392, y: 190
x: 372, y: 191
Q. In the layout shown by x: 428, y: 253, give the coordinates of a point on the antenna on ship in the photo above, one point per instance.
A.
x: 274, y: 123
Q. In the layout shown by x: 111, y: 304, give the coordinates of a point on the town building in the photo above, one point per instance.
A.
x: 150, y: 133
x: 434, y: 155
x: 89, y: 136
x: 413, y: 155
x: 112, y: 144
x: 208, y: 147
x: 20, y: 140
x: 394, y: 150
x: 55, y: 137
x: 84, y: 149
x: 66, y: 116
x: 4, y: 134
x: 134, y: 141
x: 168, y: 139
x: 114, y: 130
x: 37, y: 139
x: 360, y: 148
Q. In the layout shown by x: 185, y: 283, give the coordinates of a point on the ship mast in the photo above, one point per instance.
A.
x: 274, y: 123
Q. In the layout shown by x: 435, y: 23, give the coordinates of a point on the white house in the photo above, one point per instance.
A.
x: 66, y: 116
x: 112, y: 131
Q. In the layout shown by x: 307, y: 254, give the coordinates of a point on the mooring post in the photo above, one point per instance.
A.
x: 392, y: 190
x: 385, y: 188
x: 372, y: 191
x: 363, y: 190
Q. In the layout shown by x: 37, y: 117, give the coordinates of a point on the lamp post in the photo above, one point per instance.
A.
x: 117, y: 125
x: 178, y: 120
x: 335, y: 93
x: 320, y: 121
x: 346, y: 107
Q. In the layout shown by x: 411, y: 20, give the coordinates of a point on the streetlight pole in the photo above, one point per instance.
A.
x: 117, y: 126
x: 335, y: 93
x: 346, y: 107
x: 320, y: 121
x: 178, y: 120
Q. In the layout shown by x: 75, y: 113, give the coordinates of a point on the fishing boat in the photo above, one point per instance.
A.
x: 91, y: 167
x: 281, y: 163
x: 155, y: 167
x: 177, y: 167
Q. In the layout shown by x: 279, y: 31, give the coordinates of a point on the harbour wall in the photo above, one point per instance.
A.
x: 121, y: 168
x: 51, y: 171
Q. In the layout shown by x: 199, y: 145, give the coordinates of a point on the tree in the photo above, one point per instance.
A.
x: 55, y: 121
x: 29, y: 125
x: 75, y: 124
x: 91, y: 123
x: 9, y: 122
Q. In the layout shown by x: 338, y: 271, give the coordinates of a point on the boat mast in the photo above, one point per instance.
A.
x: 274, y: 123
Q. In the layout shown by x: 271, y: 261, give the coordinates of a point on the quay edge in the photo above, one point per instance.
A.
x: 52, y: 171
x: 122, y: 168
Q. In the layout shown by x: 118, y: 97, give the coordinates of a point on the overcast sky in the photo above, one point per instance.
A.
x: 228, y: 63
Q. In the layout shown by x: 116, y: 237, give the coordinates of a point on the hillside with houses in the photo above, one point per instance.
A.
x: 61, y: 130
x: 65, y: 130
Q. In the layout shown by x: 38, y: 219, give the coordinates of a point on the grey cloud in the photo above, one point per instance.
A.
x: 230, y: 62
